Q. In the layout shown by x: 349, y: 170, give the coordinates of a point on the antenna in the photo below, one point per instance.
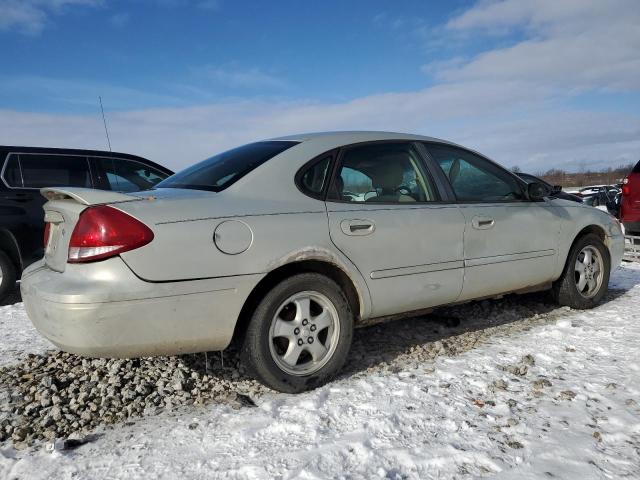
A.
x: 104, y: 120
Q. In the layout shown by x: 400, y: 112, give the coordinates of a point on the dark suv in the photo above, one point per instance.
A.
x: 27, y: 169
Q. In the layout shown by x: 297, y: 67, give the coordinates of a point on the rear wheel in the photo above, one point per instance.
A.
x: 585, y: 278
x: 299, y: 335
x: 7, y: 275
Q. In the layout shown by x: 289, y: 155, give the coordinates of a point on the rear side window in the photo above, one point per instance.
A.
x: 220, y: 171
x: 27, y: 170
x: 636, y: 169
x: 126, y: 175
x: 314, y: 178
x: 385, y: 172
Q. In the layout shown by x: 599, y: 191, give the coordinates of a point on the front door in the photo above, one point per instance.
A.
x: 510, y: 243
x: 385, y: 215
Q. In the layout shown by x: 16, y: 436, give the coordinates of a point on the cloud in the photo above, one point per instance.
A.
x: 79, y: 94
x: 233, y: 76
x: 31, y: 16
x: 209, y: 4
x: 518, y: 102
x: 120, y: 20
x: 535, y: 139
x: 574, y: 44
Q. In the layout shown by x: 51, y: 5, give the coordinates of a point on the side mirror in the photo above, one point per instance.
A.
x: 537, y: 191
x: 556, y: 189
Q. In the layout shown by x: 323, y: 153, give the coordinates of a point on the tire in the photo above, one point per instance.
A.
x: 8, y: 275
x: 270, y: 357
x: 566, y: 290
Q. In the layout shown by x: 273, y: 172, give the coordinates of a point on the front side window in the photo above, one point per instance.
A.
x: 473, y: 178
x: 220, y: 171
x: 26, y: 170
x: 387, y: 172
x: 127, y: 175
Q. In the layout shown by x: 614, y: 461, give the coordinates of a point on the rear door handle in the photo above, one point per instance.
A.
x: 357, y: 227
x: 482, y: 223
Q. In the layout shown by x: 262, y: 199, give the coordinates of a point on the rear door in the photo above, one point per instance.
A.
x: 510, y: 243
x: 386, y: 214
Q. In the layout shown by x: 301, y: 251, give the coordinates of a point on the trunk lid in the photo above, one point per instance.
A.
x: 61, y: 212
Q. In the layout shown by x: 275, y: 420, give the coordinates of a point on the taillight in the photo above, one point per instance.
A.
x: 47, y: 231
x: 626, y: 188
x: 103, y: 232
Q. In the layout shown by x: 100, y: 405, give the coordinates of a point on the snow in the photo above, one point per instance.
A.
x: 461, y: 416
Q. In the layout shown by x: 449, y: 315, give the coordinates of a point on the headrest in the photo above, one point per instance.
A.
x: 388, y: 174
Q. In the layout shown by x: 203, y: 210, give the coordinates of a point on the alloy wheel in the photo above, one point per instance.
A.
x: 304, y: 333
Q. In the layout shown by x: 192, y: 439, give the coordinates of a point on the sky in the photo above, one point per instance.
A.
x: 537, y: 84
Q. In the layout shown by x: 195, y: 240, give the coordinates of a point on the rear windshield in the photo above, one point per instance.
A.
x: 636, y: 169
x: 220, y: 171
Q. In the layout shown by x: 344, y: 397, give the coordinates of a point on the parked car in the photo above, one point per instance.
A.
x: 606, y: 199
x: 27, y: 169
x: 284, y: 245
x: 630, y: 202
x: 556, y: 190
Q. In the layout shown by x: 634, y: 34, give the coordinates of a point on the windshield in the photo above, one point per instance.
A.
x: 220, y: 171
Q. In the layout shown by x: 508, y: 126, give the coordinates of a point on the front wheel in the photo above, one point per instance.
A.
x: 299, y: 335
x: 585, y: 278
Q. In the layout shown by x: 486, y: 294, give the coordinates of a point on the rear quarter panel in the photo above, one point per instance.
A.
x: 286, y: 226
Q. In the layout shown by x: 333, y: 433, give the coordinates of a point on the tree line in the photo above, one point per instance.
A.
x: 605, y: 176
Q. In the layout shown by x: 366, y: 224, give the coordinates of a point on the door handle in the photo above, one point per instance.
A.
x: 357, y: 227
x: 482, y: 223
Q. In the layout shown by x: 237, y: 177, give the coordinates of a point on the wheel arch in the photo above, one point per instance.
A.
x: 331, y: 270
x: 590, y: 229
x: 595, y: 229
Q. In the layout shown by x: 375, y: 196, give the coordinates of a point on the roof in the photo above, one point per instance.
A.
x: 357, y: 136
x: 76, y: 151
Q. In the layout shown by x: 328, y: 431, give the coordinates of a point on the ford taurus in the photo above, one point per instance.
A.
x: 285, y: 245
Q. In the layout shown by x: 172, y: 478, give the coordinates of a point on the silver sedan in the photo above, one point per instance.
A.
x: 285, y: 245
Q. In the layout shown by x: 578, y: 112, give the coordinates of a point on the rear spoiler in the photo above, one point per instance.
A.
x: 86, y: 196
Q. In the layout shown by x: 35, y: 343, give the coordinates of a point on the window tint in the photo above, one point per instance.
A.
x: 382, y: 173
x: 39, y: 170
x: 473, y: 178
x: 127, y: 175
x: 314, y: 178
x: 220, y: 171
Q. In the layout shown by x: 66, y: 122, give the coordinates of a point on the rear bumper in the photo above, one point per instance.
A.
x: 103, y: 310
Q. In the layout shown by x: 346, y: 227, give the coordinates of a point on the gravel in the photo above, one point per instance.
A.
x: 60, y: 395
